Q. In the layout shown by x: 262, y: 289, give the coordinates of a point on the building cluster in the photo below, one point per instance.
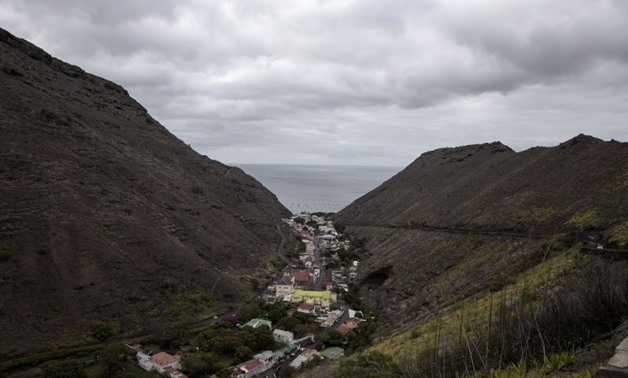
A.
x: 162, y: 362
x: 312, y: 284
x: 264, y: 361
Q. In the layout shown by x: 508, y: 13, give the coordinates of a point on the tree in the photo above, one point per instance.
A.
x: 101, y: 331
x: 286, y: 372
x: 340, y: 228
x: 332, y: 338
x: 113, y: 356
x: 243, y: 352
x: 64, y: 369
x: 200, y: 363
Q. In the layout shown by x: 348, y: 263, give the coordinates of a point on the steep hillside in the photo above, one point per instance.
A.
x: 490, y: 187
x: 105, y: 215
x: 461, y: 223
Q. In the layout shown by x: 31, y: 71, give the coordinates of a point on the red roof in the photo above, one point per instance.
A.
x: 301, y: 276
x: 306, y: 307
x: 163, y: 359
x: 353, y: 322
x: 250, y: 365
x: 309, y: 353
x: 343, y: 329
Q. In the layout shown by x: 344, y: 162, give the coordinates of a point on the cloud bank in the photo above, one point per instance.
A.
x: 350, y: 82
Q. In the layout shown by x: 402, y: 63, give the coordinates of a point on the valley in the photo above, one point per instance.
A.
x: 125, y: 253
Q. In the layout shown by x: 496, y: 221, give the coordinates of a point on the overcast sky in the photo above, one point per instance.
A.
x: 364, y: 82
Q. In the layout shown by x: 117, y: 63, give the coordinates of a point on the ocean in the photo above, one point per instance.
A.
x: 313, y: 188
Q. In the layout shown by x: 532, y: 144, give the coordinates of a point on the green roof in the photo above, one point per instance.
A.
x: 258, y: 322
x: 285, y: 351
x: 307, y: 293
x: 333, y: 353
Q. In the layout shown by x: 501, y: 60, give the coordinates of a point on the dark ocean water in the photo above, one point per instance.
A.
x: 318, y: 187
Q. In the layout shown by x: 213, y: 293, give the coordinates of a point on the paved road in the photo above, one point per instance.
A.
x: 455, y: 230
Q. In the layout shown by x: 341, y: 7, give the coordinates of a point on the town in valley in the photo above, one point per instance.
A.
x: 307, y: 314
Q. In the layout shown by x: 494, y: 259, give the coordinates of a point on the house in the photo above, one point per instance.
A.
x: 249, y: 369
x: 144, y: 361
x: 284, y: 287
x: 309, y: 247
x: 331, y: 318
x: 306, y: 356
x: 333, y: 353
x: 228, y: 319
x: 322, y: 298
x: 267, y: 358
x: 311, y: 353
x: 284, y: 337
x: 302, y: 279
x: 353, y: 322
x: 174, y: 373
x: 300, y: 360
x: 343, y: 329
x: 163, y: 360
x: 258, y: 323
x: 305, y: 341
x: 306, y: 308
x: 284, y: 351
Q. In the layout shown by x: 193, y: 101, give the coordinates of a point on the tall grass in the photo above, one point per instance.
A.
x: 530, y: 328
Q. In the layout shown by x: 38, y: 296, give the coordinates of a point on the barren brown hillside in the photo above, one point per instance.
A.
x: 104, y: 214
x: 459, y: 221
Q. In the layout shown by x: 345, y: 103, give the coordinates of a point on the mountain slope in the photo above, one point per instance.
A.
x: 106, y: 215
x: 457, y: 219
x: 473, y: 261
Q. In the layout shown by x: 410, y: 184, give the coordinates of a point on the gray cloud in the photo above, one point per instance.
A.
x: 350, y: 82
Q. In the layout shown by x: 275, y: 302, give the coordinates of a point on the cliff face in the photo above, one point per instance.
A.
x: 457, y: 221
x: 106, y: 215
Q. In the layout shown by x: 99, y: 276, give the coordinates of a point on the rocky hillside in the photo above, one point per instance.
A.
x: 105, y: 215
x: 481, y: 245
x: 461, y: 220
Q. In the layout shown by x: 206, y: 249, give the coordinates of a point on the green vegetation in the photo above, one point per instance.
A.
x: 56, y: 354
x: 512, y: 332
x: 332, y: 338
x: 585, y: 220
x: 5, y: 254
x: 101, y: 331
x: 368, y: 365
x: 222, y: 346
x: 618, y: 235
x: 190, y: 303
x: 64, y: 369
x: 533, y: 216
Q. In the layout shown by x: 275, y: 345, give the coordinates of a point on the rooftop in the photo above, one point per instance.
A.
x: 163, y: 358
x: 308, y: 293
x: 258, y: 322
x: 333, y: 353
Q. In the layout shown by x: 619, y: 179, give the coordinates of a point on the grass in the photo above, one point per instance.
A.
x: 471, y: 316
x: 618, y: 235
x: 95, y: 371
x: 473, y: 312
x: 191, y: 302
x: 38, y: 358
x: 586, y: 219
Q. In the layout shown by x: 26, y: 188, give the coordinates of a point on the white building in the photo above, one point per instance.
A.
x: 284, y: 337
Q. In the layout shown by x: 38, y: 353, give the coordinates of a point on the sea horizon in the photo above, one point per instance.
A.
x: 319, y: 187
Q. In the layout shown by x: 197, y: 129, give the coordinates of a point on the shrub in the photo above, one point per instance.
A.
x: 101, y: 331
x: 5, y: 255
